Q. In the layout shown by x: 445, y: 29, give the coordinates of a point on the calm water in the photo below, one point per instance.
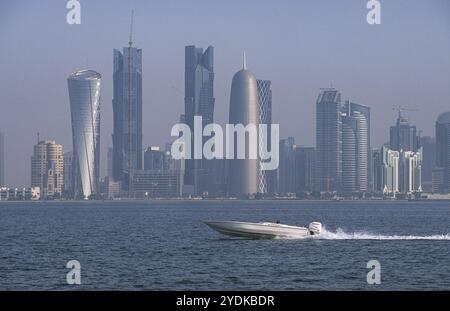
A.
x: 165, y: 245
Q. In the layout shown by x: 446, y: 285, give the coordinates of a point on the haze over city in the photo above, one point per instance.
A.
x: 301, y: 47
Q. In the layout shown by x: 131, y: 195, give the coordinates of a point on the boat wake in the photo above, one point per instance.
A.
x: 340, y: 234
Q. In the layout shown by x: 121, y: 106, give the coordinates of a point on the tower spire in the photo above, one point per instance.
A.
x: 131, y: 29
x: 244, y: 61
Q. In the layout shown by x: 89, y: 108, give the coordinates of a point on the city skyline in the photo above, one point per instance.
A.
x: 360, y: 65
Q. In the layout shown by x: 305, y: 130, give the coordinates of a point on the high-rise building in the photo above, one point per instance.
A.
x: 328, y: 141
x: 304, y: 169
x: 2, y: 159
x: 391, y: 166
x: 109, y: 162
x: 160, y: 177
x: 411, y: 171
x: 377, y: 171
x: 244, y: 110
x: 198, y: 101
x: 266, y: 177
x: 155, y: 159
x: 84, y: 94
x: 127, y: 109
x: 441, y: 182
x: 47, y: 168
x: 69, y: 180
x: 355, y: 148
x: 428, y: 162
x: 286, y: 167
x: 403, y: 135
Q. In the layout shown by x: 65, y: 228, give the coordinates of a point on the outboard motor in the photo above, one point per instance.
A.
x: 315, y: 228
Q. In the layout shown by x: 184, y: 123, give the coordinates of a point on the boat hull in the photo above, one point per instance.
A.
x: 257, y: 230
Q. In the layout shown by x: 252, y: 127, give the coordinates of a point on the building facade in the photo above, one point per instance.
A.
x: 328, y: 141
x: 441, y: 182
x: 428, y: 161
x: 304, y: 169
x: 411, y: 171
x: 127, y: 111
x: 266, y: 177
x: 47, y: 168
x: 355, y: 148
x: 286, y: 168
x: 69, y: 179
x: 391, y: 166
x: 155, y: 159
x: 84, y: 94
x: 198, y: 101
x: 403, y: 135
x: 377, y: 171
x: 162, y: 176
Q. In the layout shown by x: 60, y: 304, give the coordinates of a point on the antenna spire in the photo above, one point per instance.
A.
x: 131, y: 29
x: 244, y: 61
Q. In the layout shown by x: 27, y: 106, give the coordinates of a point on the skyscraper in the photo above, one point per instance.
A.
x: 198, y: 101
x: 2, y: 159
x: 244, y: 109
x: 442, y: 184
x: 286, y: 168
x: 428, y: 162
x: 403, y: 135
x: 411, y: 171
x: 391, y: 166
x: 355, y: 148
x: 84, y: 94
x: 109, y: 162
x: 127, y: 109
x: 266, y: 177
x: 328, y: 141
x: 69, y: 180
x: 47, y: 167
x: 377, y: 171
x: 304, y: 168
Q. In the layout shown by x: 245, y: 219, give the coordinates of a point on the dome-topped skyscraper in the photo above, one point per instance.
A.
x: 244, y: 109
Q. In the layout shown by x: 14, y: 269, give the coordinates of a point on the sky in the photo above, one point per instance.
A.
x: 301, y: 46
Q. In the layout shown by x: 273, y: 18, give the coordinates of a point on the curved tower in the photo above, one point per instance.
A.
x: 244, y: 109
x: 84, y: 96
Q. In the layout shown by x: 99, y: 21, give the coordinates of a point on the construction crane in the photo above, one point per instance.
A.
x: 400, y: 108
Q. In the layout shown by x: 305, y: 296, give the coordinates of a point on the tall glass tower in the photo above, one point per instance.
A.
x: 84, y: 94
x: 244, y: 110
x: 127, y: 109
x: 355, y: 148
x: 328, y: 141
x: 403, y: 135
x: 198, y: 101
x: 442, y: 185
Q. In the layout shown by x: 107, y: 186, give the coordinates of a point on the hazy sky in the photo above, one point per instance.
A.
x: 300, y: 45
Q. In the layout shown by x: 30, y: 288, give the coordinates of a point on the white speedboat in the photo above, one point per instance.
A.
x: 263, y: 230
